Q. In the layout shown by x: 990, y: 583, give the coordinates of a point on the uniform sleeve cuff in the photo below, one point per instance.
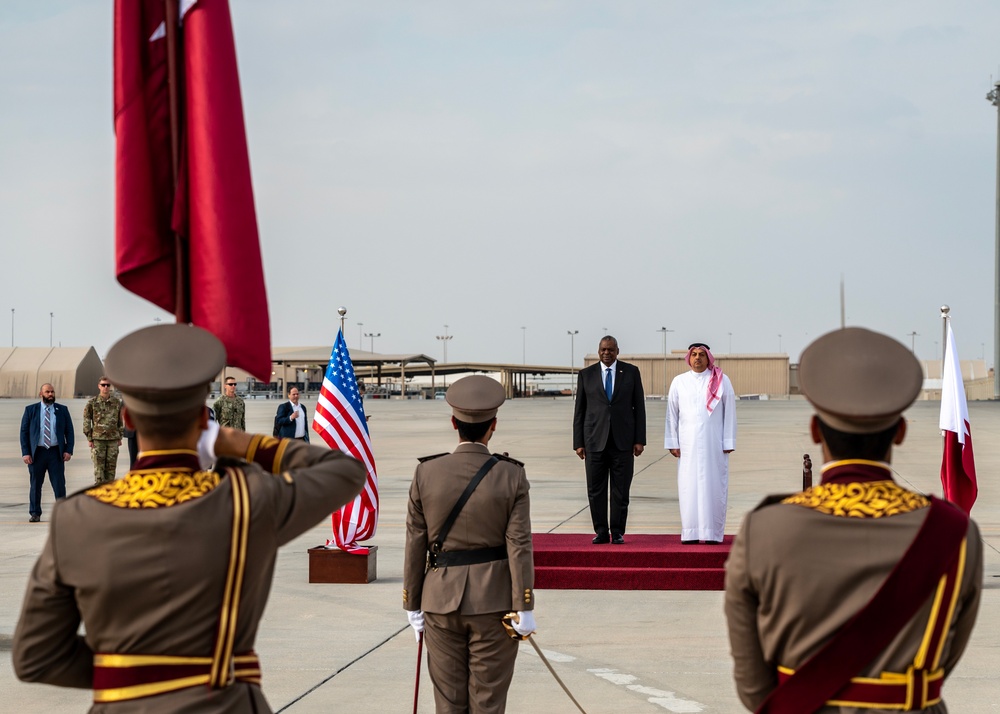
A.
x: 267, y: 452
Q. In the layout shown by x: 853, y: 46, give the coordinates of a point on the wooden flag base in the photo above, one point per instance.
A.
x: 332, y: 565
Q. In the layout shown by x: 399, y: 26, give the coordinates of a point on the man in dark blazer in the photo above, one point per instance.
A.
x: 291, y: 422
x: 609, y: 431
x: 46, y: 452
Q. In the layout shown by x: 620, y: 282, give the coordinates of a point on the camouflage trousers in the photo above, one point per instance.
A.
x: 105, y: 457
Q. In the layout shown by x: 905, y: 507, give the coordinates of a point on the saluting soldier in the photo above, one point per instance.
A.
x: 169, y: 567
x: 230, y: 409
x: 466, y: 566
x: 857, y: 594
x: 102, y: 425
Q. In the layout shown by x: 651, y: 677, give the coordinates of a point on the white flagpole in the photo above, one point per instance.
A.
x: 945, y: 321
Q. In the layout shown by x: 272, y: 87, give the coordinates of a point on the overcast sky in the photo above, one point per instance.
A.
x: 712, y: 168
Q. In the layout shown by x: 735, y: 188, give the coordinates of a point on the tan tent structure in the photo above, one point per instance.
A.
x: 73, y: 371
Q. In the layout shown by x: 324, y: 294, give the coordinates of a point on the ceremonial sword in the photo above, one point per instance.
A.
x: 508, y: 621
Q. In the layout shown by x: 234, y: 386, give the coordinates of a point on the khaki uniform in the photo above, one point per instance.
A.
x: 470, y: 657
x: 103, y: 425
x: 231, y: 411
x: 802, y: 568
x: 149, y: 580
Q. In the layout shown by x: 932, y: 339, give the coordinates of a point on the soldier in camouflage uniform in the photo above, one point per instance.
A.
x: 230, y: 410
x: 102, y: 425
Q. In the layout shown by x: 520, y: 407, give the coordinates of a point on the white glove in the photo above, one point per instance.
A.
x: 525, y: 623
x: 416, y: 618
x: 206, y: 445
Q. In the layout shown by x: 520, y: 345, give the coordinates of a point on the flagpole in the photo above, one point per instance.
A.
x: 993, y: 97
x: 944, y: 354
x: 944, y: 334
x: 182, y: 302
x: 342, y: 311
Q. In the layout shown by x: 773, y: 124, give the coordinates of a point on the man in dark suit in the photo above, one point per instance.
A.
x: 609, y: 431
x: 46, y: 446
x: 291, y: 422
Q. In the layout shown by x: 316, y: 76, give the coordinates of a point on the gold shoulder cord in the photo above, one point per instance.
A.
x: 223, y: 673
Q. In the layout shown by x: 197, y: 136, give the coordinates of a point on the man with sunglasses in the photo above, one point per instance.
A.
x: 230, y: 409
x: 102, y: 425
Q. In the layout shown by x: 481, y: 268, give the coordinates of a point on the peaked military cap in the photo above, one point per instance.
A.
x: 475, y: 399
x: 859, y: 381
x: 165, y: 369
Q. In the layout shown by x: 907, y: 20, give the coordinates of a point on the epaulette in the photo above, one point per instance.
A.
x: 505, y: 457
x: 422, y: 459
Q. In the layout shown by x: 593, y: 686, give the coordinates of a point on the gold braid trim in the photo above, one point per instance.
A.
x: 874, y: 499
x: 155, y: 489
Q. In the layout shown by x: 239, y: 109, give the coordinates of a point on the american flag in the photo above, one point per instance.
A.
x: 340, y: 421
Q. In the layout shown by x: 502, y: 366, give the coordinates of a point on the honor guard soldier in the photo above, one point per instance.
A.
x: 169, y: 567
x: 102, y: 425
x: 468, y: 559
x: 857, y: 594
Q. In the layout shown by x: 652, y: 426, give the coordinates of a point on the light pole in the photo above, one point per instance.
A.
x: 913, y: 341
x: 664, y: 330
x: 373, y: 335
x: 730, y: 343
x: 779, y: 343
x: 12, y: 327
x: 572, y: 359
x: 524, y: 341
x: 361, y: 345
x: 444, y: 341
x: 51, y: 317
x: 993, y: 97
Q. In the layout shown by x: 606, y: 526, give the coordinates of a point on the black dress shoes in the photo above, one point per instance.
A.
x: 600, y: 539
x: 689, y: 542
x: 617, y: 539
x: 34, y: 519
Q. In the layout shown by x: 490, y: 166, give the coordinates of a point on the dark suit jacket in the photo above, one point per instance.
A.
x: 31, y: 429
x: 284, y: 423
x: 594, y: 415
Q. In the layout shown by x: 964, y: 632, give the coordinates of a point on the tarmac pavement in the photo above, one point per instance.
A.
x: 326, y: 647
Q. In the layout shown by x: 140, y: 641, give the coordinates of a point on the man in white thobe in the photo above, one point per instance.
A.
x: 701, y: 433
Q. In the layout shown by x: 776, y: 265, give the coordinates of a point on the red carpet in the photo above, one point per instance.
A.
x: 569, y: 561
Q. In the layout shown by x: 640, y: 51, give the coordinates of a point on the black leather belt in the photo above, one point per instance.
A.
x: 466, y: 557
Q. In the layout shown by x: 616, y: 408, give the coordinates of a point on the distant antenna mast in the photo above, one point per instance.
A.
x: 843, y: 324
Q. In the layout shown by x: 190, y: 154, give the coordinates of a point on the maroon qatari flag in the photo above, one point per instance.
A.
x: 210, y: 203
x: 958, y: 463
